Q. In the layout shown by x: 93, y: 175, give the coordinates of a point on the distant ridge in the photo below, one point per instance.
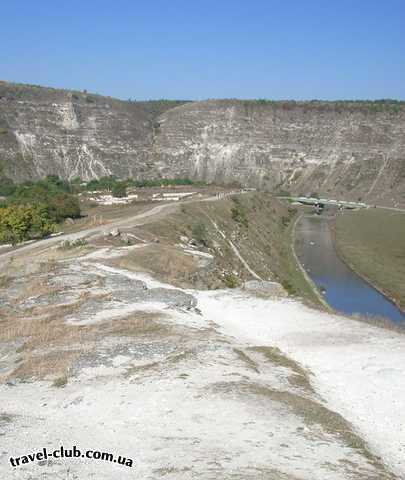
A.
x: 352, y: 149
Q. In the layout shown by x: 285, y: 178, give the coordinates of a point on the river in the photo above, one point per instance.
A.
x: 343, y: 289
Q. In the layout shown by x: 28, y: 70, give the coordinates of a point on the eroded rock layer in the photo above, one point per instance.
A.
x: 350, y: 149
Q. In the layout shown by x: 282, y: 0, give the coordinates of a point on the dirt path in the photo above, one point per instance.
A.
x: 125, y: 222
x: 133, y: 221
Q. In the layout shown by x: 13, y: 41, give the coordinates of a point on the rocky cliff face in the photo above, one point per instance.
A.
x: 356, y: 150
x: 71, y: 134
x: 334, y: 148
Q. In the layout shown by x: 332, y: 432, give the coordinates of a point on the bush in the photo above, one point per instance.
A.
x: 200, y: 234
x: 53, y: 193
x: 103, y: 183
x: 238, y: 213
x: 68, y: 244
x: 231, y: 280
x: 289, y: 287
x: 64, y: 206
x: 21, y: 223
x: 119, y: 190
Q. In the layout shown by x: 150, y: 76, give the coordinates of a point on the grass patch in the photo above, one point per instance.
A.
x: 60, y: 382
x: 300, y: 376
x: 247, y: 360
x: 312, y: 413
x: 372, y: 242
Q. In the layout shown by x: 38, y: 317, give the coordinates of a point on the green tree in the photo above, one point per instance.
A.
x: 21, y: 222
x: 119, y: 190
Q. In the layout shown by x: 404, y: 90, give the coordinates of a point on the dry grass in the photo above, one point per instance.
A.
x: 5, y: 281
x: 300, y: 377
x: 313, y: 413
x: 51, y: 345
x: 46, y: 331
x: 55, y: 364
x: 36, y: 288
x: 247, y: 360
x: 165, y: 262
x: 60, y: 382
x: 137, y: 324
x: 94, y: 214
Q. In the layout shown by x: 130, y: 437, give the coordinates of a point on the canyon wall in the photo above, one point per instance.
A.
x: 343, y: 149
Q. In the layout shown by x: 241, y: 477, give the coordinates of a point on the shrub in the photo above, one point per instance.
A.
x: 200, y: 233
x: 238, y: 213
x: 231, y: 280
x: 60, y: 382
x: 289, y: 287
x: 119, y: 190
x: 64, y: 206
x: 68, y: 244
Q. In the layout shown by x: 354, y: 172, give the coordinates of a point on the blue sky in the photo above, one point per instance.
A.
x: 291, y: 49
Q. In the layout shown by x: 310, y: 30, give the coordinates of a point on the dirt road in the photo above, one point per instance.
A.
x: 138, y: 219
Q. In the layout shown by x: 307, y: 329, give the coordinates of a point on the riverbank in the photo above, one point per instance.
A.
x: 371, y: 243
x: 344, y: 290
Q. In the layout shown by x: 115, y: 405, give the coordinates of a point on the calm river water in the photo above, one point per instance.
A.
x: 345, y: 291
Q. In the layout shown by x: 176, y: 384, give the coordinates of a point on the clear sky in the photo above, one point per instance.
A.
x: 196, y: 49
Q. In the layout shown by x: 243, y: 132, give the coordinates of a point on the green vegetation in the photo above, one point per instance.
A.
x: 372, y: 243
x: 69, y: 244
x: 231, y: 280
x: 239, y: 214
x: 119, y: 190
x: 387, y: 105
x: 200, y: 234
x: 23, y: 222
x: 60, y: 382
x: 7, y: 186
x: 111, y: 182
x: 288, y: 287
x: 33, y: 209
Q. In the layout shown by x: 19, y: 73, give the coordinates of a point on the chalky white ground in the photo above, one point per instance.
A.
x: 177, y: 423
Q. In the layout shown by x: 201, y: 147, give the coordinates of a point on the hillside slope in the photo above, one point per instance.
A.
x: 344, y: 149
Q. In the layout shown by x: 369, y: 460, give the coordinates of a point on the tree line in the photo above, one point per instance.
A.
x: 34, y: 209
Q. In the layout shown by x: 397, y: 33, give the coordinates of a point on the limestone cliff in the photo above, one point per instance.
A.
x: 344, y: 149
